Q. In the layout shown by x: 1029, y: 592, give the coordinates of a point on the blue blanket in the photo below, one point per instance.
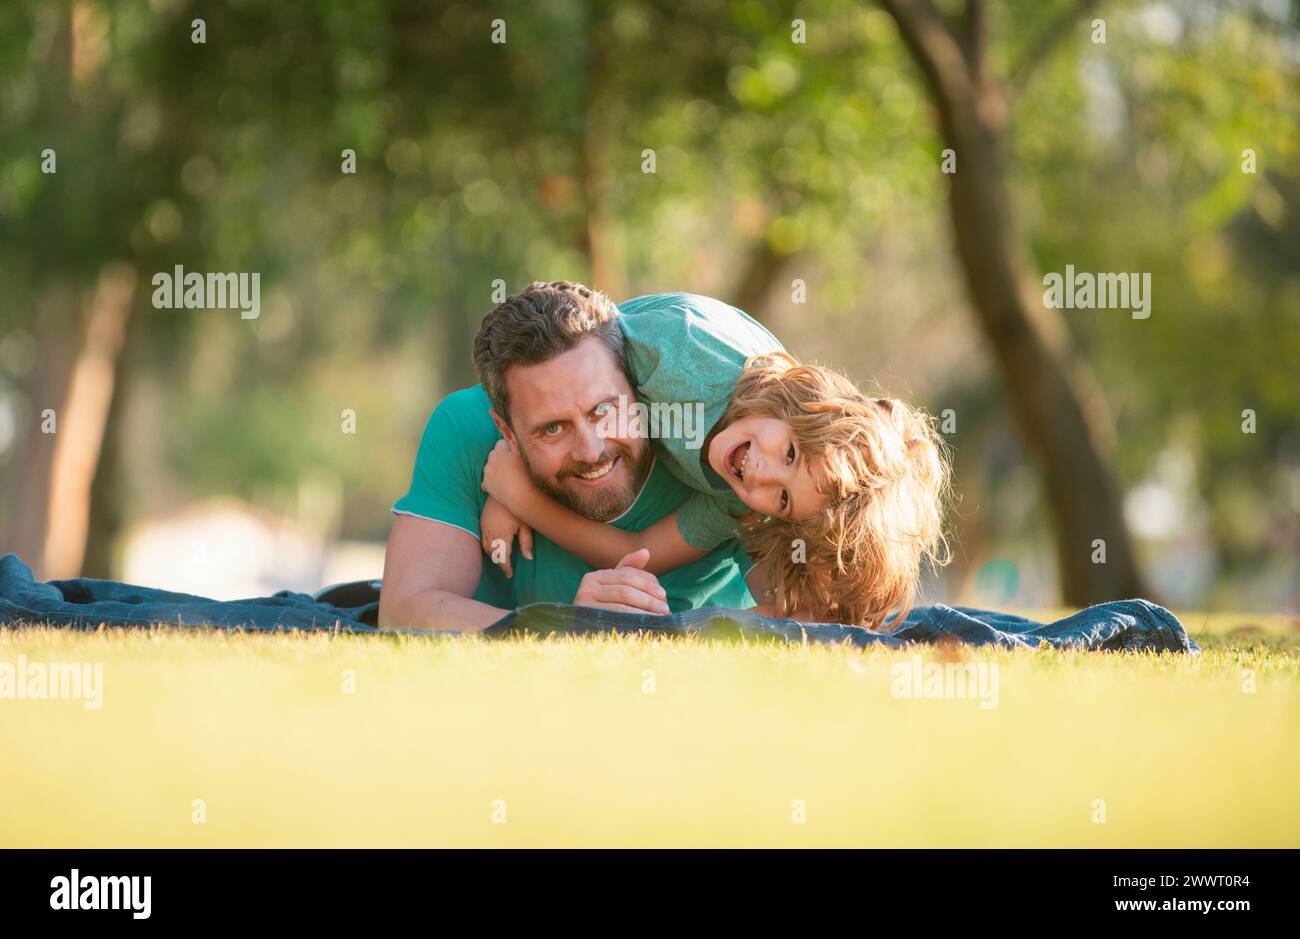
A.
x: 85, y: 603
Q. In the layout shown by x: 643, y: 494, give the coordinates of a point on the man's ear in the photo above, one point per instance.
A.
x: 503, y: 428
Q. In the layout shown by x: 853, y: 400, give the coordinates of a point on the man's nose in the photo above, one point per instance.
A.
x: 588, y: 445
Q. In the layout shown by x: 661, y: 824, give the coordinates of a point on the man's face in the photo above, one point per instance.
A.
x: 557, y: 412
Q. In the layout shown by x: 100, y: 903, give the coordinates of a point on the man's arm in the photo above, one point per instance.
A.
x: 431, y: 571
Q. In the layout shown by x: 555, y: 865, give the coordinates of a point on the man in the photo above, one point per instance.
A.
x: 551, y: 362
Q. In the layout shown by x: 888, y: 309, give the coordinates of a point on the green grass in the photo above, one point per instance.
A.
x: 568, y: 733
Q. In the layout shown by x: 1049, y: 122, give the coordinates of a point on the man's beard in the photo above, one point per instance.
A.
x: 600, y: 504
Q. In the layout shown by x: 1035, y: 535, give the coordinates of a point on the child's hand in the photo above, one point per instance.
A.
x: 499, y: 527
x: 505, y: 478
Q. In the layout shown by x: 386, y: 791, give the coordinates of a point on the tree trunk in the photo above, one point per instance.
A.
x: 27, y: 518
x: 82, y: 423
x: 1057, y: 404
x: 598, y: 237
x: 106, y: 510
x: 80, y: 337
x: 757, y: 281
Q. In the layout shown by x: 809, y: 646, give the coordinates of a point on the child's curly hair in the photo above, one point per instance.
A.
x: 887, y: 477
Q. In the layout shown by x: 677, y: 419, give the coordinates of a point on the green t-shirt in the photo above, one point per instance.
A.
x: 688, y: 350
x: 446, y: 487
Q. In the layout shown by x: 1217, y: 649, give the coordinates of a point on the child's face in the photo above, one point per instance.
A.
x: 760, y: 460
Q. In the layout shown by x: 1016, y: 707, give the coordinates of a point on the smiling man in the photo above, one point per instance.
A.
x: 551, y: 360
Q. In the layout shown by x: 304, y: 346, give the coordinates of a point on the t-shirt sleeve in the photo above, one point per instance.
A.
x: 445, y: 485
x: 706, y: 520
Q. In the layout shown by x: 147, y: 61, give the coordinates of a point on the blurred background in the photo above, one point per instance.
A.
x: 786, y: 157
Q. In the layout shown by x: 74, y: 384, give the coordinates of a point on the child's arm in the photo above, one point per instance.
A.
x: 498, y: 527
x: 758, y: 583
x: 602, y: 546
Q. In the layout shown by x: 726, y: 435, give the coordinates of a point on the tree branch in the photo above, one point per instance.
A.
x: 936, y: 51
x: 973, y: 38
x: 1048, y: 40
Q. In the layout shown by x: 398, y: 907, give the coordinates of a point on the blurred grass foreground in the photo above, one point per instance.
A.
x: 214, y: 739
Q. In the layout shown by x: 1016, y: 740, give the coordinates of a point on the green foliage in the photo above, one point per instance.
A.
x: 478, y: 162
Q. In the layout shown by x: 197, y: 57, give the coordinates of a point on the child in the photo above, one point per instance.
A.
x: 836, y: 497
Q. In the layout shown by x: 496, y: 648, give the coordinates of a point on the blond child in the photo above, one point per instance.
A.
x: 836, y: 497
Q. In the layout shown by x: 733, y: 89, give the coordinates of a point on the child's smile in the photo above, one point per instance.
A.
x: 737, y: 459
x: 761, y: 462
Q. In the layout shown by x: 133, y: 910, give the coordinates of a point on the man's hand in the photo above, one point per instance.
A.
x: 499, y: 527
x: 505, y: 478
x: 627, y: 588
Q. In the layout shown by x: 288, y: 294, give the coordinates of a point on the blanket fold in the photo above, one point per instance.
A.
x: 85, y: 603
x: 1133, y: 625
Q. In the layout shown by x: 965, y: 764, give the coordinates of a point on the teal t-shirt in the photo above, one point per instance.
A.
x: 685, y: 354
x: 446, y: 487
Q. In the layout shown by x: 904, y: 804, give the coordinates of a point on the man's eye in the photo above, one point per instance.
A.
x: 789, y: 455
x: 603, y: 408
x: 785, y: 499
x: 551, y: 430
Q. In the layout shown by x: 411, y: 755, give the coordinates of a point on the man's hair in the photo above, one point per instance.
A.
x: 888, y: 477
x: 537, y: 324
